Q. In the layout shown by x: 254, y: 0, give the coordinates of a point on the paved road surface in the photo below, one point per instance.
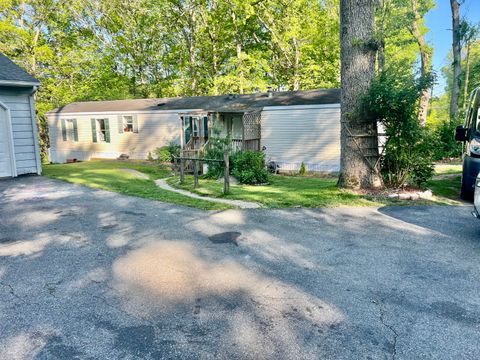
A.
x: 88, y: 274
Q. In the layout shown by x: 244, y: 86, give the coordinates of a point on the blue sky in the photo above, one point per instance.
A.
x: 439, y: 22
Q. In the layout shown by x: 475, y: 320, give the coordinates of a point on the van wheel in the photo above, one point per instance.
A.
x: 466, y: 193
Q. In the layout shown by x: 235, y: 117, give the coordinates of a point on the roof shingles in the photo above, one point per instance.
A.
x: 221, y: 103
x: 11, y: 73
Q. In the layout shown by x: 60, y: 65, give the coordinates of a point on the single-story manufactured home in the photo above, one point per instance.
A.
x: 19, y: 150
x: 291, y: 127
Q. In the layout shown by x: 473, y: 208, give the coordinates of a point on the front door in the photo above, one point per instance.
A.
x: 5, y: 153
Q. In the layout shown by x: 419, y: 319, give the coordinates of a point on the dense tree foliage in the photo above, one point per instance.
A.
x: 99, y: 49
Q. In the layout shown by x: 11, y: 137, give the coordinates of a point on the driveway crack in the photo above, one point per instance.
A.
x: 391, y: 328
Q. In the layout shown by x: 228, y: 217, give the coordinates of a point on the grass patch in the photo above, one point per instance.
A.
x: 448, y: 169
x: 447, y: 187
x: 283, y: 192
x: 321, y: 191
x: 108, y: 175
x: 297, y: 191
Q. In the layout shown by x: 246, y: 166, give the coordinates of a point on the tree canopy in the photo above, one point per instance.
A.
x: 117, y: 49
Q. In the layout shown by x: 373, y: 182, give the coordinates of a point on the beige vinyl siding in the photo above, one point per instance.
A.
x: 296, y: 134
x: 18, y: 102
x: 154, y: 130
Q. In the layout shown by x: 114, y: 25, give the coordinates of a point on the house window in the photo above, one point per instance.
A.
x: 69, y: 130
x: 195, y: 126
x: 100, y: 130
x: 128, y: 124
x: 186, y: 127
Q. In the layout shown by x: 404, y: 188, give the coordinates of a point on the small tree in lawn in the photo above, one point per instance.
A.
x: 393, y: 100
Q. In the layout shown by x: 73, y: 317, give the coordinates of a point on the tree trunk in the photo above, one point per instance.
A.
x: 456, y: 59
x: 425, y: 62
x: 381, y: 8
x: 296, y: 65
x: 381, y: 56
x: 240, y: 66
x: 467, y: 77
x: 359, y: 137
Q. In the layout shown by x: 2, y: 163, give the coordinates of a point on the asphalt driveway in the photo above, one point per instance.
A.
x: 94, y: 275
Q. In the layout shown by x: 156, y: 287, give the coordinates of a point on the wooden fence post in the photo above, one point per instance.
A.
x: 226, y: 173
x: 182, y: 171
x: 195, y: 173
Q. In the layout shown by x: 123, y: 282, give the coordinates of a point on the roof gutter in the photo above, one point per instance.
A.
x: 34, y: 90
x: 19, y: 83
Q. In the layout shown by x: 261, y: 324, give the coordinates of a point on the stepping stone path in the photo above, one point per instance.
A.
x: 161, y: 183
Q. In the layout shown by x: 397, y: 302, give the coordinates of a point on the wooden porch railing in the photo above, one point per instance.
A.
x: 239, y: 145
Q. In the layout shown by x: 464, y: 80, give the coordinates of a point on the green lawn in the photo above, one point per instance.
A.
x: 282, y: 192
x: 448, y: 187
x: 448, y: 169
x: 297, y: 191
x: 107, y: 175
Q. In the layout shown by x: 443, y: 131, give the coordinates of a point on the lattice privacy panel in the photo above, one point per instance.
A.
x: 252, y: 124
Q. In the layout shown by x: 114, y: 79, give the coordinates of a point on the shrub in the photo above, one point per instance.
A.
x: 218, y: 144
x: 149, y: 156
x: 166, y: 153
x: 303, y: 169
x: 163, y: 154
x: 444, y: 143
x: 393, y: 100
x: 249, y: 167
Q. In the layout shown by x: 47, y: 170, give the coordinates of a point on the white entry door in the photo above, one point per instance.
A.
x: 5, y: 153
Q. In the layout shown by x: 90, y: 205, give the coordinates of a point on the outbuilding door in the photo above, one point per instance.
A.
x: 5, y: 152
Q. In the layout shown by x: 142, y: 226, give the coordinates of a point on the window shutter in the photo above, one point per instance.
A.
x: 94, y: 130
x: 120, y: 124
x: 135, y: 124
x: 64, y: 130
x: 107, y: 131
x: 75, y: 130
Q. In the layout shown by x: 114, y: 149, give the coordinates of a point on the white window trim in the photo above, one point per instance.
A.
x: 10, y: 139
x: 69, y: 130
x: 125, y: 123
x: 98, y: 128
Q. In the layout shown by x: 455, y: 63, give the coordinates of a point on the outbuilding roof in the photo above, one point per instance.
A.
x: 221, y: 103
x: 13, y: 75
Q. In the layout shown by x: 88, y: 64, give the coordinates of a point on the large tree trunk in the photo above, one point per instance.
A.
x: 456, y: 59
x: 425, y: 62
x: 359, y: 137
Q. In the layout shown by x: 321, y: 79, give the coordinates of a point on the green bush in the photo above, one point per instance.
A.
x: 165, y: 154
x: 215, y: 150
x: 249, y: 167
x: 408, y: 157
x: 444, y: 143
x: 303, y: 169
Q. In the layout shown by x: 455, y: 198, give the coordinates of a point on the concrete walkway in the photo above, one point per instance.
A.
x: 162, y: 183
